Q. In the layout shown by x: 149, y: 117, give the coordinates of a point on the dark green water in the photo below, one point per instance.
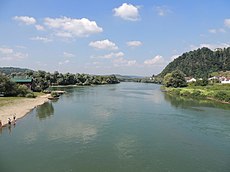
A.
x: 129, y: 127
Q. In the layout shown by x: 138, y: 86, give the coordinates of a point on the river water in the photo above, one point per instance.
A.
x: 127, y: 127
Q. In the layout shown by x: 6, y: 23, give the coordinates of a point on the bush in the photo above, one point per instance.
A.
x: 185, y: 93
x: 175, y: 92
x: 21, y: 95
x: 30, y: 95
x: 175, y: 79
x: 202, y: 82
x: 222, y: 95
x: 198, y: 94
x: 22, y: 90
x: 54, y: 94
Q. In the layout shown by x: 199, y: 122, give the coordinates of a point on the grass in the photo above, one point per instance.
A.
x: 9, y: 100
x: 219, y: 92
x: 37, y: 94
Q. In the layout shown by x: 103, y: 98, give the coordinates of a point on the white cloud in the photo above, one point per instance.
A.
x: 39, y: 27
x: 155, y: 61
x: 25, y: 19
x: 227, y: 22
x: 212, y: 30
x: 221, y: 30
x: 64, y: 62
x: 71, y: 27
x: 174, y: 57
x: 210, y: 46
x: 97, y: 63
x: 21, y: 47
x: 10, y: 54
x: 6, y: 50
x: 41, y: 64
x: 104, y: 44
x: 68, y: 55
x: 43, y: 39
x: 127, y: 12
x: 109, y: 56
x: 134, y: 43
x: 64, y: 34
x: 162, y: 10
x: 123, y: 62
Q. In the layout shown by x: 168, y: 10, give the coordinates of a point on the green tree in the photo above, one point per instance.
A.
x: 168, y: 80
x: 175, y: 79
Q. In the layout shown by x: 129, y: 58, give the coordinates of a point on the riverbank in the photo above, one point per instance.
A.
x: 19, y: 107
x: 219, y: 93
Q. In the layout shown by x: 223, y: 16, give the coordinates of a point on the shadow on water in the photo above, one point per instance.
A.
x: 189, y: 103
x: 45, y: 111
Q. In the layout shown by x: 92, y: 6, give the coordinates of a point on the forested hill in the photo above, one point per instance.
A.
x: 10, y: 70
x: 200, y: 63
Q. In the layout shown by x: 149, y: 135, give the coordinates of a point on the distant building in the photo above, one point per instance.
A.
x: 213, y: 78
x: 189, y: 79
x: 225, y: 81
x: 23, y: 81
x: 221, y: 79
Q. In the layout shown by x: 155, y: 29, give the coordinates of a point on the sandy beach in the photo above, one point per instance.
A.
x: 20, y: 107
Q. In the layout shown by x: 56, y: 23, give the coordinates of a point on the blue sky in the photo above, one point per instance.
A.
x: 132, y: 37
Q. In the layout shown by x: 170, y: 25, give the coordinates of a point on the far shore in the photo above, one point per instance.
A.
x: 189, y: 93
x: 20, y: 107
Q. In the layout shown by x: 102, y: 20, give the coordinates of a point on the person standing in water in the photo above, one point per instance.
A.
x: 0, y: 124
x: 9, y: 121
x: 14, y: 119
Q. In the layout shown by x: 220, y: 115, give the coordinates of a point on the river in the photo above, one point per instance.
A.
x: 127, y: 127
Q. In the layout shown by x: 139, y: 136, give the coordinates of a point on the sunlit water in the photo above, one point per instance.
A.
x: 125, y: 127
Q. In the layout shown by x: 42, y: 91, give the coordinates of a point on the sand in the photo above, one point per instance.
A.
x: 20, y: 108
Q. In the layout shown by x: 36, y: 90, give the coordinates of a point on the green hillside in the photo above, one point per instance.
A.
x: 200, y: 63
x: 10, y: 70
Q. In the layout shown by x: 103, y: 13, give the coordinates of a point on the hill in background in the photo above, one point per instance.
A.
x: 10, y: 70
x: 200, y: 63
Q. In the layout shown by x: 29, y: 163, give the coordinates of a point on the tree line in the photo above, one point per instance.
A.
x: 42, y: 80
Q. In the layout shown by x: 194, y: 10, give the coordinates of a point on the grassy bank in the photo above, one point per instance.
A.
x: 11, y: 100
x: 217, y: 92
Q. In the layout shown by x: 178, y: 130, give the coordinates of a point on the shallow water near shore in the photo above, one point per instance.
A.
x: 122, y: 127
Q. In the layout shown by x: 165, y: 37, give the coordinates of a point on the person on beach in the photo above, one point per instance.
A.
x: 14, y: 119
x: 9, y: 121
x: 0, y: 124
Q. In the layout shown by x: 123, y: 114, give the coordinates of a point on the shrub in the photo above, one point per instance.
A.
x: 221, y: 95
x: 54, y: 94
x: 186, y: 93
x: 175, y: 79
x: 198, y: 94
x: 21, y: 95
x: 22, y: 90
x: 30, y: 95
x: 202, y: 82
x: 175, y: 92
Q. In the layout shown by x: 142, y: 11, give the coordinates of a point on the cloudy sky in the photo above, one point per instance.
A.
x: 132, y: 37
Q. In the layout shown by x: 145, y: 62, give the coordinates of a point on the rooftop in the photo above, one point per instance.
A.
x: 21, y: 79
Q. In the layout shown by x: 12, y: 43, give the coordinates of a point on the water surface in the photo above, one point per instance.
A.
x: 124, y: 127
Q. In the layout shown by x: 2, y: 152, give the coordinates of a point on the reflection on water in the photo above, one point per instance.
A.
x: 185, y: 102
x: 125, y: 127
x: 126, y: 147
x: 67, y: 132
x: 45, y: 111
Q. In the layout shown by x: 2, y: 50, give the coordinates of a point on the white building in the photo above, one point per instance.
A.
x: 225, y: 81
x: 191, y: 80
x: 212, y: 78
